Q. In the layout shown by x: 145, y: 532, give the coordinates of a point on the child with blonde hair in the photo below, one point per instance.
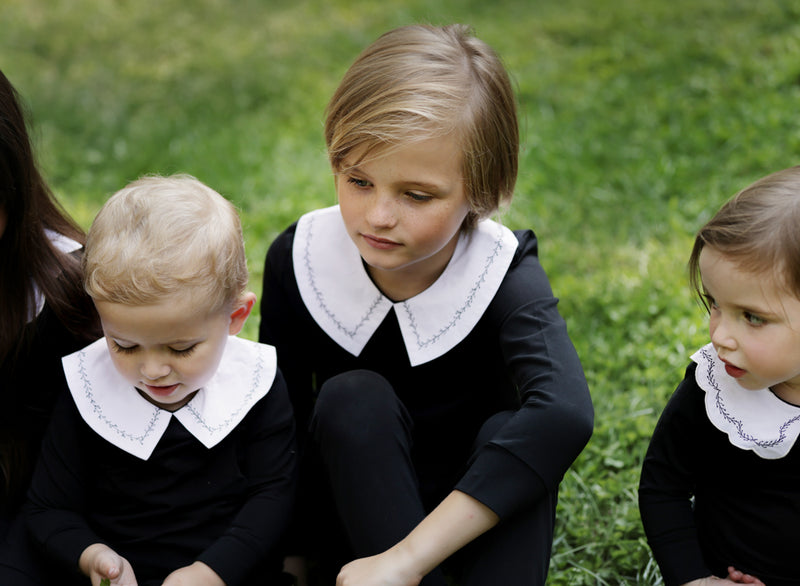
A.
x: 171, y: 459
x: 438, y: 396
x: 719, y: 493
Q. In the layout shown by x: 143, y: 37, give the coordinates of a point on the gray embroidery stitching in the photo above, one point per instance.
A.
x: 735, y: 422
x: 320, y: 297
x: 498, y: 246
x: 98, y: 410
x: 246, y: 401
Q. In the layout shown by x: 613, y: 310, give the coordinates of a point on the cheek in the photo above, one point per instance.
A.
x: 124, y: 364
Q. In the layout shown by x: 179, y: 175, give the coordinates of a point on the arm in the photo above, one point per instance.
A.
x: 457, y: 520
x: 667, y: 484
x: 57, y: 495
x: 270, y: 467
x: 512, y: 471
x: 281, y: 319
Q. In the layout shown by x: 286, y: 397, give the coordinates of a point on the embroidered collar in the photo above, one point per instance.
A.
x: 348, y: 306
x: 65, y: 245
x: 116, y: 411
x: 754, y: 420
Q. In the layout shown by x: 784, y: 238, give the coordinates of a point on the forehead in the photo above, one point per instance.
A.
x: 175, y: 318
x: 728, y: 278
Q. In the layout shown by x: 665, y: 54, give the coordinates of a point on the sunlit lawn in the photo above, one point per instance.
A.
x: 639, y: 118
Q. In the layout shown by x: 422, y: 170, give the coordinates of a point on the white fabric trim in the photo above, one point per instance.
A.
x: 118, y: 413
x: 348, y: 306
x: 754, y: 420
x: 65, y: 245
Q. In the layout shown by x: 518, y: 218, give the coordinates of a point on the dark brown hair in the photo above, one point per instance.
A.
x: 28, y: 260
x: 759, y: 230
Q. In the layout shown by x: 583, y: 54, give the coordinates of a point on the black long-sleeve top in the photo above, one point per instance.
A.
x: 707, y: 504
x: 227, y: 506
x: 518, y: 356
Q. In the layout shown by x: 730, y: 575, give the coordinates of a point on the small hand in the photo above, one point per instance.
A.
x: 738, y: 577
x: 105, y: 566
x: 197, y: 574
x: 385, y: 569
x: 734, y: 577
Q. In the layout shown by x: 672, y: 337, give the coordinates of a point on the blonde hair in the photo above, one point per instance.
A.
x: 419, y: 82
x: 758, y: 229
x: 161, y: 236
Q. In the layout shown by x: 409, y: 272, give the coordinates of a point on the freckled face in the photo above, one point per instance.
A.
x: 404, y: 212
x: 167, y: 350
x: 754, y: 325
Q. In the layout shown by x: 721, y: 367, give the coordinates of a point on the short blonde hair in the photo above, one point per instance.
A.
x: 161, y: 236
x: 419, y: 82
x: 759, y: 230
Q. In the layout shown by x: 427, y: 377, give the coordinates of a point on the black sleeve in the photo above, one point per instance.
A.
x: 667, y: 485
x: 58, y: 493
x: 271, y: 469
x: 283, y: 321
x: 532, y: 452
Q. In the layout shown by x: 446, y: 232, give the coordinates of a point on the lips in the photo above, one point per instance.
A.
x: 379, y: 243
x: 162, y: 391
x: 734, y: 371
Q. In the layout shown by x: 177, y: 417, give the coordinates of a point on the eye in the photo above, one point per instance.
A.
x: 123, y: 349
x: 419, y: 196
x: 753, y: 319
x: 358, y: 182
x: 184, y: 352
x: 710, y: 302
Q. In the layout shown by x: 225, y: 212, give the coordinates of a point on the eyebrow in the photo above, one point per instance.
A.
x: 425, y: 185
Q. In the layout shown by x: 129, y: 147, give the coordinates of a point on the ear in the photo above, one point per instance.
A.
x: 241, y: 312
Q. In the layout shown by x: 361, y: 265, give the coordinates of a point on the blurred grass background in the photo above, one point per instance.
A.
x: 639, y: 118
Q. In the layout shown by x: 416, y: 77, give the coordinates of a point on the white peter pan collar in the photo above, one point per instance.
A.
x: 348, y: 306
x: 753, y: 420
x: 118, y: 413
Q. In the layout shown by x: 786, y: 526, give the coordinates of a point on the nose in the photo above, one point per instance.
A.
x: 380, y: 212
x: 722, y: 333
x: 154, y: 368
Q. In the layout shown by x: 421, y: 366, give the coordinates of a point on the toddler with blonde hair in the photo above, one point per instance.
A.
x: 171, y: 459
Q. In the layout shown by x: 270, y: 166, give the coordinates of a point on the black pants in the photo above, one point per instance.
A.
x: 363, y: 436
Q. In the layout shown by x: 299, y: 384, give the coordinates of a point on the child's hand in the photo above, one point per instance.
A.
x: 198, y: 574
x: 105, y: 566
x: 738, y: 577
x: 734, y: 577
x: 378, y: 570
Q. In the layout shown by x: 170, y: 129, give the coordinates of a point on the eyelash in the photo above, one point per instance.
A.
x: 753, y: 319
x: 358, y: 182
x: 131, y: 349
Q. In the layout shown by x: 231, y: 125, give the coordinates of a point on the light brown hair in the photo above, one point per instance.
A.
x: 419, y: 82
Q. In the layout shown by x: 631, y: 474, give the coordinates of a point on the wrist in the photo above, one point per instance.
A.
x: 412, y: 561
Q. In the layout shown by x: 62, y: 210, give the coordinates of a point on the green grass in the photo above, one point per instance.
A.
x: 640, y: 117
